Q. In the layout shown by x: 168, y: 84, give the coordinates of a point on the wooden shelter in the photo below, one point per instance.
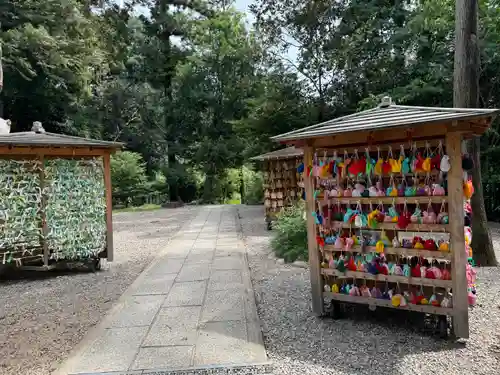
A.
x: 282, y: 185
x: 61, y: 189
x: 371, y: 175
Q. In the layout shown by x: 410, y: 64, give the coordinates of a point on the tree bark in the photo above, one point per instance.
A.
x: 466, y: 95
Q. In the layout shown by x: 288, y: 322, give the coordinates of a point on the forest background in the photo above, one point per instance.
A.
x: 194, y: 91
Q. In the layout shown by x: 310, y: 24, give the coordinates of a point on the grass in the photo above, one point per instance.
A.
x: 145, y: 207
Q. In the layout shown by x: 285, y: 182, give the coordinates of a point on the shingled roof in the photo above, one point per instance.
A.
x: 386, y: 115
x: 284, y: 153
x: 45, y: 139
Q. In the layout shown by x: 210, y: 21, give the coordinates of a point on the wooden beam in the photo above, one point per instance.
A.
x: 381, y: 136
x: 53, y: 151
x: 415, y: 132
x: 457, y: 239
x: 109, y: 206
x: 314, y: 260
x: 43, y: 212
x: 384, y: 145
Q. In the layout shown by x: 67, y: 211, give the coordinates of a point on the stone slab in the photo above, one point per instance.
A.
x: 114, y: 350
x: 229, y: 251
x: 205, y: 256
x: 195, y: 272
x: 228, y: 263
x: 154, y: 284
x: 223, y: 305
x: 174, y: 326
x: 186, y: 294
x: 136, y: 311
x: 225, y: 279
x: 166, y: 265
x: 164, y: 357
x: 225, y: 343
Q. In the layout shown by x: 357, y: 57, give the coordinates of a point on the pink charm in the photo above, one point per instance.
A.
x: 349, y: 242
x: 316, y: 170
x: 339, y: 244
x: 354, y: 292
x: 472, y: 299
x: 438, y: 190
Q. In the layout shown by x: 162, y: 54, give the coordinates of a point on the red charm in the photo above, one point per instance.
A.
x: 436, y: 162
x: 404, y: 220
x: 351, y: 266
x: 415, y: 271
x: 430, y: 245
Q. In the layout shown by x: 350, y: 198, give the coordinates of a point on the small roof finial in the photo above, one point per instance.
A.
x: 37, y: 127
x: 386, y: 102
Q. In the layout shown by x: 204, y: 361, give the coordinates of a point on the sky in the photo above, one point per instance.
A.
x: 242, y: 6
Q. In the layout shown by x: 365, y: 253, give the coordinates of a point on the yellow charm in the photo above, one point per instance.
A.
x: 396, y: 300
x: 418, y: 245
x: 379, y: 247
x: 424, y: 301
x: 426, y: 165
x: 378, y: 167
x: 396, y: 164
x: 335, y: 288
x: 444, y: 246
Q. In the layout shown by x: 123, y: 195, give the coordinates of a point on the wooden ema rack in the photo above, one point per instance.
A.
x: 457, y: 256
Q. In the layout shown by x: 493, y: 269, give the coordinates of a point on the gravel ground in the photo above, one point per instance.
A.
x: 42, y: 319
x: 299, y: 343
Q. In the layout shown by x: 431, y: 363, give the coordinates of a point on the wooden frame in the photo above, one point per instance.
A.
x: 68, y: 152
x: 453, y: 133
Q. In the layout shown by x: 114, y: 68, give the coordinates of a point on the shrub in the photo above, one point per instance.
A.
x: 128, y: 174
x: 290, y: 242
x: 253, y: 181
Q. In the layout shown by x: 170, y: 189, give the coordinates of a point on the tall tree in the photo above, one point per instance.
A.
x: 168, y: 19
x: 466, y: 94
x: 213, y: 89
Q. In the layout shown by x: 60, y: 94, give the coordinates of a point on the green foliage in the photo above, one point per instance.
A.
x: 290, y: 241
x: 196, y: 92
x: 253, y: 183
x: 128, y: 174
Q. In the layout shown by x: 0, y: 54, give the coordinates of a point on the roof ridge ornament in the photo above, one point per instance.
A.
x: 37, y: 127
x: 386, y: 102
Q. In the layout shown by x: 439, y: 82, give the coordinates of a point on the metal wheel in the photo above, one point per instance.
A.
x: 442, y: 326
x: 95, y: 265
x: 334, y: 310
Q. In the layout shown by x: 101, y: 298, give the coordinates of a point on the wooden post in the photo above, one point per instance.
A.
x: 43, y: 215
x: 314, y: 261
x: 109, y: 206
x: 457, y: 238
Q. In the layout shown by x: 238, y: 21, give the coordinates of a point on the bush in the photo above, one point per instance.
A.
x: 254, y: 191
x: 184, y: 180
x: 290, y: 242
x: 128, y: 175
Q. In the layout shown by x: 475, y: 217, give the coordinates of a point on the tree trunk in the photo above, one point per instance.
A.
x: 466, y: 94
x: 242, y: 186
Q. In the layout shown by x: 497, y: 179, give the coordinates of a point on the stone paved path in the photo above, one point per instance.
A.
x: 193, y: 307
